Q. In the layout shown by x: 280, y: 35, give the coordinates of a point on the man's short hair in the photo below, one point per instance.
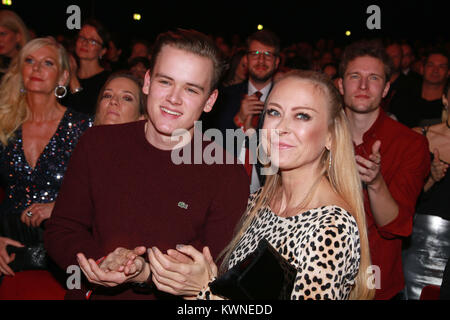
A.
x: 194, y: 42
x: 267, y: 38
x: 371, y: 48
x: 436, y: 50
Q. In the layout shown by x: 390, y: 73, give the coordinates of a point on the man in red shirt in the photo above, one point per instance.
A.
x: 393, y: 161
x: 123, y: 189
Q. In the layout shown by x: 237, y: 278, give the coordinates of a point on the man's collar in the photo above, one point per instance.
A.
x: 376, y: 126
x: 265, y: 91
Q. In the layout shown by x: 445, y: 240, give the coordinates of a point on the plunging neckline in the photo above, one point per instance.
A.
x: 20, y: 139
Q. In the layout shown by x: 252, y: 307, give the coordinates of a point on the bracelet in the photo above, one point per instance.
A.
x: 145, y: 287
x: 89, y: 292
x: 205, y: 293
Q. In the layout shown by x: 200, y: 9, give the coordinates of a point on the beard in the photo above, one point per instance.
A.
x: 261, y: 78
x: 363, y: 109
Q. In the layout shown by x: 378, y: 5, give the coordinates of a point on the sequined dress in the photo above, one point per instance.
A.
x: 25, y: 185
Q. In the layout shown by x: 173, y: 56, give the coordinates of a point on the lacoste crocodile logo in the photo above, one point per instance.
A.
x: 183, y: 205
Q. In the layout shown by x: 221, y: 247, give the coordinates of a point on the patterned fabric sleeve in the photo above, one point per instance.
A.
x: 329, y: 261
x: 206, y: 294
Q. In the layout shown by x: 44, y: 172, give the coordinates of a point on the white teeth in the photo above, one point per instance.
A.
x: 171, y: 112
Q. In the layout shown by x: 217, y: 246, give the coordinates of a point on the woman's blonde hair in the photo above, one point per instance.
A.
x: 14, y: 109
x: 13, y: 22
x: 342, y: 175
x: 142, y: 110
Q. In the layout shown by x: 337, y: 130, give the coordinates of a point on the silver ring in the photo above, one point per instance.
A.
x: 29, y: 214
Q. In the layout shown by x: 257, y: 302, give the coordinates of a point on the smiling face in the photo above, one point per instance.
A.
x: 364, y: 84
x: 119, y: 102
x: 178, y: 92
x: 261, y: 61
x: 298, y: 114
x: 40, y: 71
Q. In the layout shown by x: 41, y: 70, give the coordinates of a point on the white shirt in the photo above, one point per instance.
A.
x: 255, y: 183
x: 265, y: 91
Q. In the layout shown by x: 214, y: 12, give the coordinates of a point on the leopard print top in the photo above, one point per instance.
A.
x: 322, y: 243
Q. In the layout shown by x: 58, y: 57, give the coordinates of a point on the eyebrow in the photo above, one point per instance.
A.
x: 294, y: 108
x: 44, y: 58
x: 438, y: 64
x: 86, y: 36
x: 188, y: 83
x: 371, y: 74
x: 126, y: 91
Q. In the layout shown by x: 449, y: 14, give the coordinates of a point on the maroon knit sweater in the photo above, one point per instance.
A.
x: 120, y: 191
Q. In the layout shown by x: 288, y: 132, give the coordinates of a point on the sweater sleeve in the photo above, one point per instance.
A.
x: 406, y: 186
x: 226, y: 209
x: 70, y: 229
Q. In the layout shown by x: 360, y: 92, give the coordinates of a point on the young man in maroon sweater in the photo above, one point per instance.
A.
x: 122, y: 188
x: 393, y: 161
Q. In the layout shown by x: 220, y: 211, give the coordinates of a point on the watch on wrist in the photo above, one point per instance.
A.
x: 144, y: 287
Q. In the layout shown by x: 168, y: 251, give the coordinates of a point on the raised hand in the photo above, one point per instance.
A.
x: 250, y: 106
x: 369, y: 169
x: 438, y: 168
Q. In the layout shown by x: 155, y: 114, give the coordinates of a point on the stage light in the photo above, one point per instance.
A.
x: 348, y: 33
x: 260, y: 27
x: 137, y: 16
x: 7, y: 2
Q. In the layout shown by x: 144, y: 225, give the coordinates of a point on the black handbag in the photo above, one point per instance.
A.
x: 32, y: 257
x: 263, y: 275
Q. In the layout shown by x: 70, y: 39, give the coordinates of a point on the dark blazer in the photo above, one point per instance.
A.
x: 221, y: 117
x: 226, y: 107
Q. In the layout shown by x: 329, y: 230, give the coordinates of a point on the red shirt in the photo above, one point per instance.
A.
x: 405, y: 164
x: 120, y: 191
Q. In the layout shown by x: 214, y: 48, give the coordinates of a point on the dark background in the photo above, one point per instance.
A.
x: 292, y: 20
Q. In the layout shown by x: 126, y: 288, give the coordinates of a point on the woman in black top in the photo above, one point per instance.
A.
x: 88, y: 77
x: 427, y: 254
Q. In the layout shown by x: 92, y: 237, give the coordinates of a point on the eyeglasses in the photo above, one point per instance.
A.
x: 92, y: 42
x: 265, y: 54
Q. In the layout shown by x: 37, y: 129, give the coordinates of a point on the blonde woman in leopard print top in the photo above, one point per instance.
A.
x: 311, y: 210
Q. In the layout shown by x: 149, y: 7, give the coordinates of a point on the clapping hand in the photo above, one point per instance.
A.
x: 250, y: 106
x: 120, y: 266
x: 438, y: 168
x: 186, y: 278
x: 369, y: 169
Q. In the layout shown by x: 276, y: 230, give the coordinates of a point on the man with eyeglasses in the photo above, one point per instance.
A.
x: 240, y: 106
